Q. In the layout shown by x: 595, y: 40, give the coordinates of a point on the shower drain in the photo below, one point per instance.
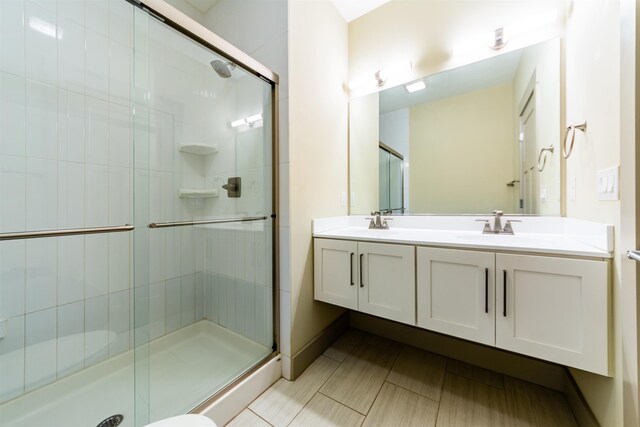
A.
x: 112, y: 421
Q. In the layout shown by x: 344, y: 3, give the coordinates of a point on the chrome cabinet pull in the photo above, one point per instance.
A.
x: 504, y: 293
x: 486, y: 290
x: 361, y: 284
x: 351, y: 269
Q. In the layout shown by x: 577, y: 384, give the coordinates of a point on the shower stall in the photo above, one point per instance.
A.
x: 137, y: 213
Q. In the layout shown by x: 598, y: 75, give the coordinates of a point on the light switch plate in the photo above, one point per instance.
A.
x: 608, y: 183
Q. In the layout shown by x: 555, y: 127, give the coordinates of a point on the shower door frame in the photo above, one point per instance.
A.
x: 173, y: 18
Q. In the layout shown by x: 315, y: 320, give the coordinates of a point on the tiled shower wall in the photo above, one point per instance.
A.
x: 65, y: 162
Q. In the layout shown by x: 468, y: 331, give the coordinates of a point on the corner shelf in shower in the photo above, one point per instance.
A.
x: 191, y: 193
x: 200, y: 149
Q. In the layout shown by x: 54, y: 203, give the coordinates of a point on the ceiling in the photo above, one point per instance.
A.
x: 202, y: 5
x: 352, y: 9
x: 500, y: 69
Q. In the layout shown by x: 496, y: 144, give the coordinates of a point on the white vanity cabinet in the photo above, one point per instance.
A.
x: 555, y: 309
x: 456, y: 293
x: 374, y: 278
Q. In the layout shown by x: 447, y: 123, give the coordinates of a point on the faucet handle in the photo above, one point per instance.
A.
x: 487, y: 226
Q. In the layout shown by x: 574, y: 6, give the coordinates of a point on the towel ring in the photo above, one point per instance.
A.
x: 571, y: 130
x: 543, y: 157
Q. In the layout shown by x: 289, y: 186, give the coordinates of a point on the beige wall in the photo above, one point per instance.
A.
x: 543, y: 63
x: 364, y: 154
x: 463, y: 169
x: 593, y: 94
x: 318, y: 112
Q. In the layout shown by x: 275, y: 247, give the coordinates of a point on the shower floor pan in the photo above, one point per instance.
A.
x: 184, y: 368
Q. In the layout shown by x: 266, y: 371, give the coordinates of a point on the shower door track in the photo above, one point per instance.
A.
x: 65, y: 232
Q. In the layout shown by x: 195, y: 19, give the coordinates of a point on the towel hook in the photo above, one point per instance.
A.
x: 572, y: 130
x: 543, y: 157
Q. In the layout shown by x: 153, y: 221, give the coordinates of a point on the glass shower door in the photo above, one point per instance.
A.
x: 203, y: 204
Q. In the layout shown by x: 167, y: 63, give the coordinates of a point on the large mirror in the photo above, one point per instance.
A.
x: 477, y: 138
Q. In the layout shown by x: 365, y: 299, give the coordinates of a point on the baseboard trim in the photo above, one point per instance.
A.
x: 581, y: 410
x: 231, y: 403
x: 310, y: 352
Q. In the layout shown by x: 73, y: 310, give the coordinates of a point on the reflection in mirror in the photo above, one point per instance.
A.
x: 471, y: 142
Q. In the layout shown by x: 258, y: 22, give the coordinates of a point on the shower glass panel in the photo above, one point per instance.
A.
x: 111, y: 120
x: 202, y: 153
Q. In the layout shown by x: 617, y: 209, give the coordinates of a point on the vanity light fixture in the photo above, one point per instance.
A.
x: 380, y: 77
x: 251, y: 121
x: 415, y: 86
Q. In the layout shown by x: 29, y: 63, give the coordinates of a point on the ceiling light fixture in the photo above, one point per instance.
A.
x: 415, y: 86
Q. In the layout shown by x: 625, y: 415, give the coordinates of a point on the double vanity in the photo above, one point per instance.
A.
x: 543, y: 291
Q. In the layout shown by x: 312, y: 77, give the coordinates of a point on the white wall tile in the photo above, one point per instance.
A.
x: 156, y: 309
x: 40, y: 44
x: 96, y: 198
x: 42, y: 103
x: 96, y: 62
x: 12, y: 37
x: 46, y: 4
x: 121, y: 22
x: 199, y: 276
x: 284, y: 195
x: 119, y: 196
x: 285, y: 268
x: 70, y: 55
x: 141, y: 256
x: 12, y: 114
x: 187, y: 299
x: 283, y: 130
x: 262, y: 296
x: 12, y: 278
x: 12, y: 354
x: 70, y: 338
x: 119, y: 260
x: 96, y: 277
x: 172, y: 304
x: 120, y: 61
x: 187, y: 255
x: 40, y: 351
x: 42, y: 189
x: 285, y: 323
x: 157, y: 253
x: 70, y: 195
x: 13, y: 176
x: 96, y: 131
x: 71, y: 262
x: 41, y: 274
x: 97, y: 16
x: 211, y: 296
x: 72, y: 9
x: 71, y: 119
x: 119, y: 322
x: 120, y: 141
x: 96, y: 338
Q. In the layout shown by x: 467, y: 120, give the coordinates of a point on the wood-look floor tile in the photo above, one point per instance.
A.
x: 247, y: 418
x: 381, y: 342
x: 419, y: 371
x: 475, y: 373
x: 282, y: 401
x: 322, y: 411
x: 396, y: 406
x: 344, y: 345
x: 467, y: 403
x: 533, y: 406
x: 359, y: 378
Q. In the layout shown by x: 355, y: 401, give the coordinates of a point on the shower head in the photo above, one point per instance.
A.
x: 223, y: 69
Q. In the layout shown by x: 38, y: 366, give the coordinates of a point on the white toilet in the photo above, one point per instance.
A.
x: 189, y: 420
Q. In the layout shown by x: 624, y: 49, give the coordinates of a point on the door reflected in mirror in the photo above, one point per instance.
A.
x: 477, y: 138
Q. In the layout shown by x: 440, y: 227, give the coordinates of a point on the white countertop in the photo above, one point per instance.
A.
x: 566, y: 237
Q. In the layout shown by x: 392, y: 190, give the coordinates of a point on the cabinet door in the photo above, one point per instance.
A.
x: 555, y: 309
x: 335, y: 273
x: 387, y: 286
x: 456, y: 293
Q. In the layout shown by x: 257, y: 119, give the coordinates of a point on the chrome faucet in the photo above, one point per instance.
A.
x: 377, y: 222
x: 497, y: 225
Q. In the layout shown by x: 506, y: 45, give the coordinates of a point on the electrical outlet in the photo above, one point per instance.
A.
x: 608, y: 183
x: 571, y: 189
x: 343, y: 198
x: 353, y: 198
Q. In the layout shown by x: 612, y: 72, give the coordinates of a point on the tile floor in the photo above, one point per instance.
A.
x: 366, y: 380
